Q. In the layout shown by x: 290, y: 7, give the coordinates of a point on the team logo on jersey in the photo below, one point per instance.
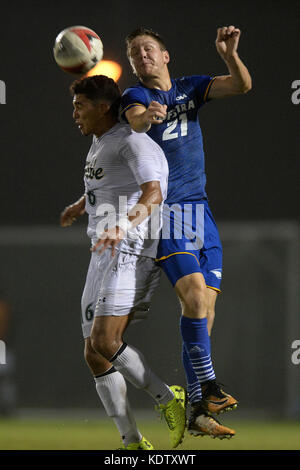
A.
x: 90, y: 172
x: 181, y: 97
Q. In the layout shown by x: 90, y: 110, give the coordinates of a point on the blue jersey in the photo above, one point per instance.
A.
x: 180, y: 134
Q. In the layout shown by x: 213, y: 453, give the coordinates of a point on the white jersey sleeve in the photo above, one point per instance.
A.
x: 146, y: 159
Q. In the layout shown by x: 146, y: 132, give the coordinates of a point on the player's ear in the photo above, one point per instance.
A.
x: 166, y: 57
x: 104, y: 107
x: 132, y: 66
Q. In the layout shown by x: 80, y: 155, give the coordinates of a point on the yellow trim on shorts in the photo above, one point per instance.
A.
x: 187, y: 253
x: 208, y: 88
x: 177, y: 253
x: 214, y: 288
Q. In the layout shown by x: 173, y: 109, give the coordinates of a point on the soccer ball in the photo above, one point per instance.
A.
x: 77, y: 49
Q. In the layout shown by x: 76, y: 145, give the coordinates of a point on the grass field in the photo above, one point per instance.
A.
x: 68, y: 434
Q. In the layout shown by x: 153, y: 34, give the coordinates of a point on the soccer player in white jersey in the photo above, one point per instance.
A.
x: 122, y: 274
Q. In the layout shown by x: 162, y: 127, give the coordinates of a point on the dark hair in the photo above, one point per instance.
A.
x: 99, y: 87
x: 145, y: 32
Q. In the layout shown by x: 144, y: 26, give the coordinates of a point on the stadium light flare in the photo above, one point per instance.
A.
x: 106, y: 67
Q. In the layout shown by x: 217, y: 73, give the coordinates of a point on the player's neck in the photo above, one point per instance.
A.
x: 105, y: 125
x: 161, y: 83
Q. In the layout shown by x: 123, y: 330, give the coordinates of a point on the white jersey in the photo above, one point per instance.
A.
x: 118, y: 163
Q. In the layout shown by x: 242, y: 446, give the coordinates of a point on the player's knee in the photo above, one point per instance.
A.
x: 195, y: 302
x: 98, y: 342
x: 104, y: 344
x: 91, y: 357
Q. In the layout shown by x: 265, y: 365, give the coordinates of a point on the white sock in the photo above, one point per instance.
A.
x: 133, y: 366
x: 112, y: 390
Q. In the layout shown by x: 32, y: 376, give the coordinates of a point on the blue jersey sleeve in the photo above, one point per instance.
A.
x: 201, y: 85
x: 133, y: 96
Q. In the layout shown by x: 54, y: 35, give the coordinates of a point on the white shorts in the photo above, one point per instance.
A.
x: 118, y: 286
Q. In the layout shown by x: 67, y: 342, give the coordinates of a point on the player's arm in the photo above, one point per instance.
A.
x: 150, y: 198
x: 239, y: 80
x: 72, y: 212
x: 141, y: 118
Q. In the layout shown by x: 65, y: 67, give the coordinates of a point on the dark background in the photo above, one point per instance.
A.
x: 251, y: 141
x: 252, y: 146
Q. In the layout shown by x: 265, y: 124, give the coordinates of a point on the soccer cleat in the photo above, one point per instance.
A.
x: 174, y: 414
x: 215, y: 400
x: 202, y: 424
x: 142, y: 445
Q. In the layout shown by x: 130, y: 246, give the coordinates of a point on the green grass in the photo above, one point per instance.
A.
x: 86, y: 435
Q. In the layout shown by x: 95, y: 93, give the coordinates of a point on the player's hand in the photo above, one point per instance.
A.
x: 109, y: 238
x: 227, y: 41
x: 155, y: 113
x: 71, y: 213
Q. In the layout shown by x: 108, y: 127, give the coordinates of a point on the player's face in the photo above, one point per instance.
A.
x: 146, y: 57
x: 86, y: 114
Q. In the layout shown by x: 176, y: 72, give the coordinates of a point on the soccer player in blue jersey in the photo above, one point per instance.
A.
x: 190, y: 250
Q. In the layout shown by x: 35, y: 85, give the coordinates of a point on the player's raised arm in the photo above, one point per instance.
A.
x: 239, y: 80
x: 150, y: 198
x: 72, y: 212
x: 141, y: 118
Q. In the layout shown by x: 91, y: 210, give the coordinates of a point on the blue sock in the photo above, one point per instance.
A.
x: 193, y: 385
x: 196, y: 342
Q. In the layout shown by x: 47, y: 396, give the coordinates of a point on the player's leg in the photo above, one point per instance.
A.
x: 195, y: 270
x: 184, y: 271
x: 179, y: 258
x: 211, y: 260
x: 211, y: 295
x: 107, y: 340
x: 197, y: 350
x: 196, y: 300
x: 128, y: 279
x: 110, y: 384
x: 131, y: 364
x: 192, y: 292
x: 215, y: 399
x: 112, y: 390
x: 135, y: 277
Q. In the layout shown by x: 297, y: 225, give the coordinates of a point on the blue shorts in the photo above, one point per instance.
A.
x: 190, y: 243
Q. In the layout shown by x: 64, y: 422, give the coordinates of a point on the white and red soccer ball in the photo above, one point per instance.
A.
x: 77, y: 49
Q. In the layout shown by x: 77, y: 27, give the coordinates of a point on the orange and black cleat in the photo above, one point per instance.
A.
x: 202, y: 424
x: 215, y: 400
